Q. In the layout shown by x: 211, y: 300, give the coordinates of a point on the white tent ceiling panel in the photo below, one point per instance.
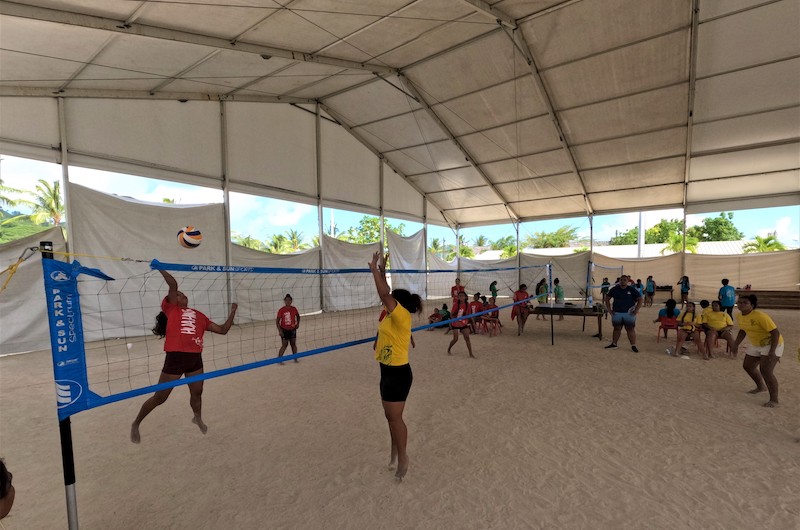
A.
x: 635, y: 148
x: 448, y: 180
x: 498, y: 143
x: 758, y: 35
x: 101, y: 77
x: 573, y: 32
x: 556, y: 186
x: 184, y: 137
x: 745, y: 91
x: 373, y: 101
x: 506, y: 102
x: 638, y: 199
x: 570, y: 206
x: 286, y: 29
x: 408, y: 21
x: 102, y: 8
x: 511, y: 169
x: 442, y: 37
x: 399, y: 196
x: 434, y: 215
x: 228, y: 22
x: 747, y: 162
x: 436, y: 156
x: 29, y: 128
x: 747, y: 130
x: 378, y: 143
x: 517, y: 9
x: 647, y: 65
x: 225, y: 71
x: 475, y: 66
x: 479, y: 215
x: 340, y: 81
x: 414, y: 128
x: 345, y: 162
x: 786, y: 182
x: 542, y: 164
x: 636, y: 175
x: 30, y: 56
x: 295, y: 77
x: 272, y: 145
x: 714, y: 9
x: 139, y: 168
x: 649, y: 111
x: 467, y: 198
x: 406, y: 164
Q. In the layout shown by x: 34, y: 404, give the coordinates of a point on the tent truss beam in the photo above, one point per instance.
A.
x: 432, y: 113
x: 101, y: 93
x: 69, y: 18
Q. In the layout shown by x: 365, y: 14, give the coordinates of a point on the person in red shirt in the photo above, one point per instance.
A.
x: 183, y: 328
x: 454, y: 290
x: 521, y: 310
x: 476, y: 306
x: 460, y: 309
x: 288, y: 322
x: 492, y: 319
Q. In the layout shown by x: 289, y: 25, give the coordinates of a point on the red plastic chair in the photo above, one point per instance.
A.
x: 666, y: 324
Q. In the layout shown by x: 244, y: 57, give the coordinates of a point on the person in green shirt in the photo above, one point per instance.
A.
x: 493, y: 288
x: 558, y: 292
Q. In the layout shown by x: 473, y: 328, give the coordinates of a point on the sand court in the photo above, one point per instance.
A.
x: 527, y: 435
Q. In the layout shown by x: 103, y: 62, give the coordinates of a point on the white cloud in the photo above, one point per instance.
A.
x: 287, y: 214
x: 782, y: 227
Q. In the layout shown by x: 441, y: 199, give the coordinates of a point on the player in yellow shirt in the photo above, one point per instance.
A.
x: 765, y: 349
x: 717, y: 323
x: 391, y: 352
x: 689, y: 325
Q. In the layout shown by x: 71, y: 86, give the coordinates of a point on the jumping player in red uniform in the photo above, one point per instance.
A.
x: 183, y: 328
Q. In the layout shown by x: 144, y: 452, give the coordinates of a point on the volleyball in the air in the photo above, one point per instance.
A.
x: 189, y: 237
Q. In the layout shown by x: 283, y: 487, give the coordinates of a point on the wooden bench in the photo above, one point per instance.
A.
x: 773, y: 299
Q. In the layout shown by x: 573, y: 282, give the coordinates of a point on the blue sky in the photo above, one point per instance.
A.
x: 262, y: 218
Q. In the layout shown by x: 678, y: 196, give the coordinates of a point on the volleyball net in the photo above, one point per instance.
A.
x: 104, y: 349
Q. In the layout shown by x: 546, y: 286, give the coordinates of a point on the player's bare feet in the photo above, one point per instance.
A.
x: 402, y: 468
x: 771, y: 404
x: 756, y: 390
x: 199, y: 422
x: 135, y: 438
x: 393, y: 458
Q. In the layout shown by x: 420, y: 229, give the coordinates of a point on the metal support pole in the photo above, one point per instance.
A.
x: 62, y: 135
x: 226, y: 200
x: 65, y: 431
x: 318, y: 152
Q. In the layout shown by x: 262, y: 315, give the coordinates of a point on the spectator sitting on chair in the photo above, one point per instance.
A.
x: 718, y: 323
x: 669, y: 311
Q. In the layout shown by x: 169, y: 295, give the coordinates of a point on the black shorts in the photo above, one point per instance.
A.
x: 179, y: 363
x: 395, y: 382
x: 288, y: 334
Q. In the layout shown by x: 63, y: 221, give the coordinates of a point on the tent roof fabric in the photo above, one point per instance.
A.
x: 494, y: 110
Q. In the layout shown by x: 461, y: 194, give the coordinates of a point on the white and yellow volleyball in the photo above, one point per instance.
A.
x: 189, y: 237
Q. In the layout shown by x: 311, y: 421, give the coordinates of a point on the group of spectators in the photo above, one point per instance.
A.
x: 704, y: 327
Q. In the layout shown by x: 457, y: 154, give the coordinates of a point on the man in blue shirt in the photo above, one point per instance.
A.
x: 727, y: 297
x: 627, y: 302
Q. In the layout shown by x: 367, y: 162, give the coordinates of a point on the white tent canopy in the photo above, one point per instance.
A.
x: 450, y: 111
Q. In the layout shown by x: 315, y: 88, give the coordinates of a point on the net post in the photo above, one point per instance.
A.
x: 65, y: 432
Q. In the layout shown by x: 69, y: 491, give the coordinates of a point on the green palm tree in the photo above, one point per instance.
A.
x: 6, y: 199
x: 248, y: 241
x: 295, y: 239
x: 278, y: 244
x: 436, y: 247
x: 675, y: 243
x: 503, y: 242
x: 509, y: 251
x: 464, y: 250
x: 315, y: 241
x: 763, y: 244
x: 47, y: 203
x: 481, y: 241
x: 167, y: 200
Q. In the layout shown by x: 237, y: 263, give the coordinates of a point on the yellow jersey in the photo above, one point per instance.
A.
x: 717, y: 320
x: 394, y: 336
x: 687, y: 323
x: 758, y: 326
